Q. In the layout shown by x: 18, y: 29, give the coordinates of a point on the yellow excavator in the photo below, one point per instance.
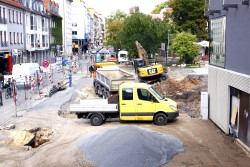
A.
x: 147, y: 72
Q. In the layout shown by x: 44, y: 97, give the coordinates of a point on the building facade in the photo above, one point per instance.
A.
x: 55, y: 29
x: 79, y: 28
x: 36, y: 31
x: 98, y: 28
x: 11, y: 34
x: 229, y: 66
x: 65, y: 11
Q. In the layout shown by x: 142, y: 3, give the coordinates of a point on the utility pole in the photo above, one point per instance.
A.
x: 167, y: 49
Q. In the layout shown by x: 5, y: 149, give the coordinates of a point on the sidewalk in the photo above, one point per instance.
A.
x: 10, y: 110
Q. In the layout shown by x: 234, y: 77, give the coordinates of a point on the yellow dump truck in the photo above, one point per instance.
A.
x: 137, y: 102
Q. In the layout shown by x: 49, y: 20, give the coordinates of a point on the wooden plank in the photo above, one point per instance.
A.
x: 234, y: 115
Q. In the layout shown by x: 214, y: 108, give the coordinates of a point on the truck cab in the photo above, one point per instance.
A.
x: 140, y: 101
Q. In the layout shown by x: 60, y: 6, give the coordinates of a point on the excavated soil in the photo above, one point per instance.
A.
x: 186, y: 92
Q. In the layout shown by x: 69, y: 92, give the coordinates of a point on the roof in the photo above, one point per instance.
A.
x: 135, y: 85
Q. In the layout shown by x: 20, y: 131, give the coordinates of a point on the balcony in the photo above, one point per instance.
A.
x: 44, y: 29
x: 33, y: 27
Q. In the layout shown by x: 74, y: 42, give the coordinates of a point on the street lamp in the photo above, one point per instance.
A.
x: 167, y: 48
x: 30, y: 48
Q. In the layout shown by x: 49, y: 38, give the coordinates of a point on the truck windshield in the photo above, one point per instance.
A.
x: 156, y: 93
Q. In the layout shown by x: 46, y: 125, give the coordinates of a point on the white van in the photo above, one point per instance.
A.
x: 122, y: 56
x: 20, y: 71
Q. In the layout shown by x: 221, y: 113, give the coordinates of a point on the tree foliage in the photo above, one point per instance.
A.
x: 114, y: 24
x: 116, y: 15
x: 159, y: 7
x: 188, y: 15
x: 149, y: 32
x: 183, y: 45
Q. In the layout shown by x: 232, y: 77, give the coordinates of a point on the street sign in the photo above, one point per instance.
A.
x: 163, y: 46
x: 45, y: 64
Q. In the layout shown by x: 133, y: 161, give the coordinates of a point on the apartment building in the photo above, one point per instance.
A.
x: 36, y: 31
x: 229, y: 66
x: 11, y: 34
x: 98, y: 28
x: 55, y: 26
x: 65, y: 12
x: 79, y: 26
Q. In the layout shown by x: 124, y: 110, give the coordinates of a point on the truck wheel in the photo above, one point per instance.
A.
x: 164, y: 77
x: 104, y: 94
x: 96, y: 89
x: 160, y: 119
x: 99, y: 90
x: 107, y: 94
x: 96, y: 120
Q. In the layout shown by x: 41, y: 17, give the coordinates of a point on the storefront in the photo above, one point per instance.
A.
x: 6, y: 62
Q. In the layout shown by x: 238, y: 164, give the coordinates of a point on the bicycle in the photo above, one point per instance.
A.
x: 8, y: 93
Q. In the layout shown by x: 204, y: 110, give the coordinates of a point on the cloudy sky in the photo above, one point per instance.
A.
x: 106, y: 7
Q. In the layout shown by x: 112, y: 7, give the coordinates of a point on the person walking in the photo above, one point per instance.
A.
x: 70, y: 78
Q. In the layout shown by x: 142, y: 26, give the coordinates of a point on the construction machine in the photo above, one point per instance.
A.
x: 146, y: 71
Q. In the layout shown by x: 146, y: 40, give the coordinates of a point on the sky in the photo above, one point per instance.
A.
x: 106, y: 7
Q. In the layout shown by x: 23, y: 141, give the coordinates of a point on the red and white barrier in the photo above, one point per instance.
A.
x: 32, y: 83
x: 50, y: 77
x: 41, y: 80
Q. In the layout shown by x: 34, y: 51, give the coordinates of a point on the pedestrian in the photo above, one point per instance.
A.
x: 70, y: 78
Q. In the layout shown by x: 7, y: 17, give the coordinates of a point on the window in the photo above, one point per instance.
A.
x: 13, y: 16
x: 20, y: 18
x: 10, y: 38
x: 217, y: 41
x: 74, y: 32
x: 5, y: 37
x: 1, y: 38
x: 127, y: 94
x: 14, y: 37
x: 9, y: 16
x: 27, y: 20
x: 144, y: 94
x: 21, y: 37
x: 17, y: 17
x: 4, y: 14
x: 43, y: 40
x: 17, y: 36
x: 33, y: 22
x: 0, y: 12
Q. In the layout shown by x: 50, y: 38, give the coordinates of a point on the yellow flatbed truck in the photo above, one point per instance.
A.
x: 137, y: 102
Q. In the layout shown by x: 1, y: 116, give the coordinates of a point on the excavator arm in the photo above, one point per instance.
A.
x: 141, y: 52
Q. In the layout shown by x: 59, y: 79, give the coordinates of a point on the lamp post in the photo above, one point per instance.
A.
x: 167, y: 49
x: 30, y: 48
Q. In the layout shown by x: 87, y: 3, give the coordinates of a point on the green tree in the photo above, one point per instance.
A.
x: 116, y: 15
x: 149, y: 32
x: 159, y: 7
x: 114, y: 24
x: 188, y: 15
x: 183, y: 45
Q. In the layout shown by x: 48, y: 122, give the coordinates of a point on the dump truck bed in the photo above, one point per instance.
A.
x: 111, y: 78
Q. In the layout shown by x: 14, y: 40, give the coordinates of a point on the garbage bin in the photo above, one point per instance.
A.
x: 1, y: 98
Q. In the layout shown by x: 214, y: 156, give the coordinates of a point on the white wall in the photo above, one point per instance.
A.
x: 219, y: 82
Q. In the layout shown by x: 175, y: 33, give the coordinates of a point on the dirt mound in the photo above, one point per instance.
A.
x: 172, y: 87
x: 185, y: 92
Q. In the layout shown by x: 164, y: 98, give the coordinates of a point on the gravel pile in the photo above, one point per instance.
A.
x: 129, y: 146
